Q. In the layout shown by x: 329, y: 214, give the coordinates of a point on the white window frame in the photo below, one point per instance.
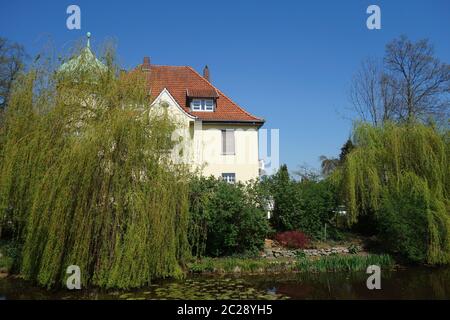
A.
x: 209, y: 107
x: 200, y: 105
x: 229, y: 177
x: 193, y: 104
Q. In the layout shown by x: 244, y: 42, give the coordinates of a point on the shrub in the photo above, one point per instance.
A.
x: 305, y: 205
x: 286, y: 201
x: 225, y: 219
x: 318, y: 206
x: 292, y: 239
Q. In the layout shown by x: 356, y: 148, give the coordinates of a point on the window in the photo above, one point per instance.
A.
x: 196, y: 104
x: 229, y: 177
x: 202, y: 105
x: 228, y: 142
x: 209, y: 104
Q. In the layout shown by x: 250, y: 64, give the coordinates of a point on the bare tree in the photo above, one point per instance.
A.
x: 12, y: 56
x: 422, y: 81
x: 372, y: 94
x: 410, y: 83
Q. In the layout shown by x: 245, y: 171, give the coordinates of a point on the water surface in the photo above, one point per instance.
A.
x: 413, y: 283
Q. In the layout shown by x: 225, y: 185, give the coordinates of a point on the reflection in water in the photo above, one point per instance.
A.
x: 414, y: 283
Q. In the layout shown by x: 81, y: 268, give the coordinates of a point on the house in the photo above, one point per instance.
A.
x: 220, y: 137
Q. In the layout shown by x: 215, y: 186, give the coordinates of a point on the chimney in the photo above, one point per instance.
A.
x: 146, y: 64
x: 206, y: 73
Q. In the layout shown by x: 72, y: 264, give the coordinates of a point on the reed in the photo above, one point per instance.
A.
x: 344, y: 263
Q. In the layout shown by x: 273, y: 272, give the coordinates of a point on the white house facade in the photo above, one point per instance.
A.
x: 219, y: 137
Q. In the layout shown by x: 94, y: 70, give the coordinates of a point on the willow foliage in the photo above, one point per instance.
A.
x: 399, y: 173
x: 86, y: 179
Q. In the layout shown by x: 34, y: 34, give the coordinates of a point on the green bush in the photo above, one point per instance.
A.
x: 318, y: 206
x: 286, y: 211
x: 225, y: 218
x: 302, y: 205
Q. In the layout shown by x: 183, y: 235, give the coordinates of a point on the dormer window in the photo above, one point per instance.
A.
x: 202, y: 105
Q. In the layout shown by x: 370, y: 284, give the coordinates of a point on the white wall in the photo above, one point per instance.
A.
x: 202, y: 144
x: 208, y: 150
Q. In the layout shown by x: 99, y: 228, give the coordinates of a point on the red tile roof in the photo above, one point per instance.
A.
x: 195, y: 93
x: 183, y: 81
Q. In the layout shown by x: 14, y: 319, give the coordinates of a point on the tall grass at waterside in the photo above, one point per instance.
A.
x: 344, y: 263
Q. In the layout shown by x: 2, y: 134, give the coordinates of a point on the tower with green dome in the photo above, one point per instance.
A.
x: 83, y: 64
x: 79, y: 82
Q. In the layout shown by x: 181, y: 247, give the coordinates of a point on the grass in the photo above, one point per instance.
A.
x: 302, y: 264
x: 247, y: 265
x: 344, y: 263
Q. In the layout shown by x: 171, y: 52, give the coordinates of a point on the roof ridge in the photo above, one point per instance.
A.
x: 166, y: 65
x: 220, y: 92
x: 159, y: 65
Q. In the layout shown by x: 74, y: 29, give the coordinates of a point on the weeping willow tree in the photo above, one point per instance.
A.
x: 86, y: 177
x: 399, y: 174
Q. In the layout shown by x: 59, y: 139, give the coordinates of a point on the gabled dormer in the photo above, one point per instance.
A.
x: 203, y: 100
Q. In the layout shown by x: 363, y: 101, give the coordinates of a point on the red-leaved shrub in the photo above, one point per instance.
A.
x: 292, y: 239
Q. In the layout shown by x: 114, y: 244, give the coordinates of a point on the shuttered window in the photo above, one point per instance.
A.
x: 228, y: 141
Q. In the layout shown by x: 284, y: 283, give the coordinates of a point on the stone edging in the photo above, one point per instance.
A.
x: 273, y: 253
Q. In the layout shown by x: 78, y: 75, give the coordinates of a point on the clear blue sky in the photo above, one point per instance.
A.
x: 289, y: 62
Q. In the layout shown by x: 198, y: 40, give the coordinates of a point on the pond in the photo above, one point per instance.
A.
x: 413, y: 283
